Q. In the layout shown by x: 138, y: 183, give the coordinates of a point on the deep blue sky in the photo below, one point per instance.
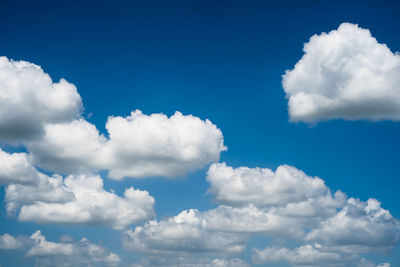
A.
x: 221, y: 60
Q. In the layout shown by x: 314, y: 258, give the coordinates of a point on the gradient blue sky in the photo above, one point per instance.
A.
x: 221, y: 60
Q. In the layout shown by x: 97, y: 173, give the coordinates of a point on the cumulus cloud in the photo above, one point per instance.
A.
x: 47, y: 253
x: 344, y: 74
x: 287, y: 186
x: 29, y: 99
x: 68, y: 147
x: 138, y: 145
x: 285, y: 204
x: 91, y: 204
x: 191, y: 262
x: 76, y: 199
x: 185, y: 233
x: 16, y: 168
x: 305, y: 255
x: 359, y: 227
x: 7, y: 241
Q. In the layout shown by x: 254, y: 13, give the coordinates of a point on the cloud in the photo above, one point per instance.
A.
x: 285, y: 204
x: 344, y: 74
x: 191, y: 262
x: 91, y: 205
x: 75, y: 199
x: 359, y: 227
x: 29, y: 99
x: 183, y: 234
x: 138, y: 145
x: 142, y: 145
x: 68, y: 147
x: 16, y: 168
x: 9, y: 242
x: 47, y: 253
x: 305, y: 255
x: 45, y: 117
x: 287, y: 186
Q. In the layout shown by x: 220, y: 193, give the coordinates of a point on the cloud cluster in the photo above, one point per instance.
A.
x: 47, y: 253
x: 344, y: 74
x: 45, y: 117
x: 138, y: 145
x: 75, y: 199
x: 29, y: 99
x: 283, y: 204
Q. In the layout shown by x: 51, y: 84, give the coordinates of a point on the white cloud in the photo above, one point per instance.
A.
x: 16, y: 168
x: 345, y: 74
x: 75, y: 199
x: 68, y: 147
x: 190, y: 262
x: 285, y: 205
x: 49, y: 253
x: 91, y: 205
x: 183, y: 234
x: 138, y: 145
x: 304, y: 255
x: 142, y: 145
x: 286, y: 187
x: 360, y: 227
x: 29, y: 99
x: 7, y: 241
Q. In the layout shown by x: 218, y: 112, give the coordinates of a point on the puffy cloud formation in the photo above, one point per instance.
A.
x: 29, y: 99
x: 16, y: 168
x: 75, y: 199
x: 49, y: 253
x: 191, y: 262
x: 185, y: 233
x: 344, y: 74
x: 358, y: 227
x: 7, y: 241
x: 45, y: 117
x: 138, y: 145
x: 68, y: 147
x: 91, y: 204
x: 284, y: 204
x: 305, y: 255
x: 142, y: 145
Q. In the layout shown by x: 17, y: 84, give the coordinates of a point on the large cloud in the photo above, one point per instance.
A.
x: 76, y: 199
x: 138, y: 145
x: 305, y: 255
x: 285, y: 204
x: 344, y: 74
x: 47, y: 253
x: 29, y: 99
x: 91, y: 204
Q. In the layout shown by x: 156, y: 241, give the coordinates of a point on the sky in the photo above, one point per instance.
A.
x: 199, y: 133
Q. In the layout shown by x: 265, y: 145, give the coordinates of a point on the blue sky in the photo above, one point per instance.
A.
x: 221, y: 61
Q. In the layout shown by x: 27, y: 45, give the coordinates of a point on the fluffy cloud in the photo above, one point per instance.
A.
x: 305, y: 255
x: 68, y: 147
x: 16, y: 168
x: 185, y: 233
x: 7, y: 241
x: 29, y: 99
x: 142, y: 145
x: 138, y: 145
x: 358, y: 227
x: 49, y: 253
x: 284, y: 204
x: 287, y: 186
x: 91, y: 204
x: 344, y: 74
x: 38, y: 197
x: 191, y: 262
